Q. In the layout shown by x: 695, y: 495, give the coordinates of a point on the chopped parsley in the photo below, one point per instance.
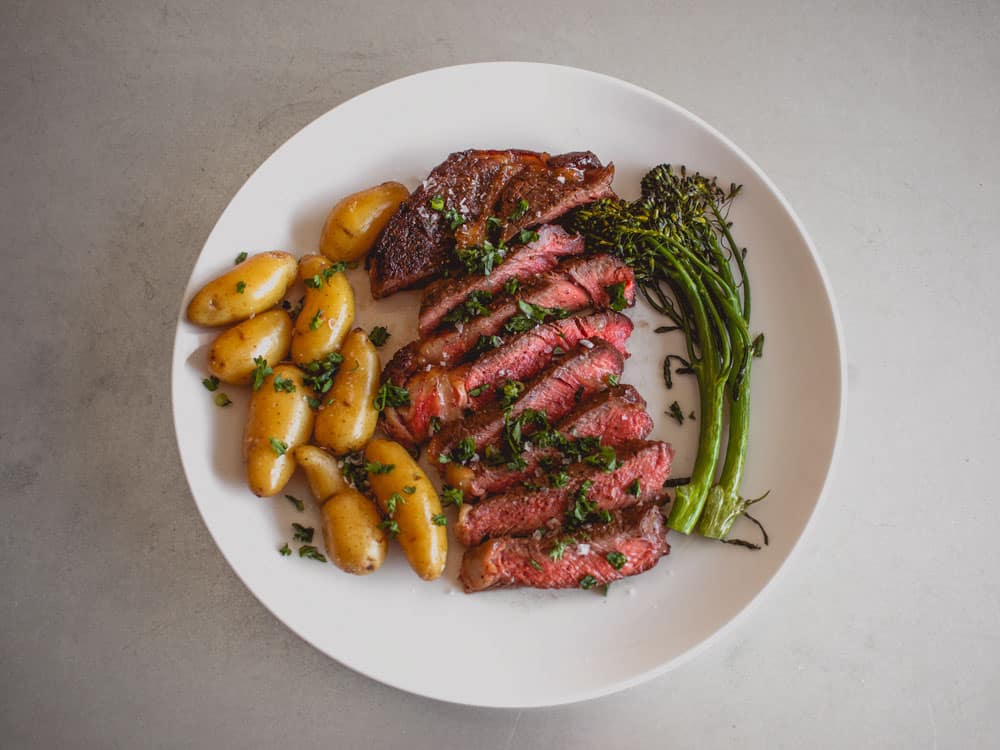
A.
x: 436, y: 203
x: 604, y: 459
x: 452, y: 496
x: 353, y: 467
x: 581, y: 509
x: 462, y: 453
x: 375, y: 467
x: 535, y: 564
x: 512, y: 389
x: 527, y: 235
x: 454, y: 218
x: 317, y: 320
x: 556, y: 553
x: 319, y: 373
x: 616, y: 296
x: 260, y: 371
x: 612, y: 380
x: 299, y: 505
x: 559, y: 479
x: 434, y: 425
x: 241, y: 286
x: 315, y: 282
x: 314, y: 403
x: 307, y: 550
x: 635, y: 488
x: 211, y: 383
x: 395, y: 500
x: 588, y: 582
x: 676, y: 413
x: 391, y: 526
x: 221, y: 399
x: 280, y: 447
x: 479, y: 390
x: 439, y: 519
x: 409, y: 489
x: 617, y: 560
x: 286, y: 385
x: 492, y: 222
x: 512, y: 286
x: 758, y: 346
x: 531, y: 315
x: 379, y: 335
x: 513, y: 428
x: 334, y: 268
x: 240, y: 258
x: 390, y: 395
x: 284, y: 550
x: 520, y: 210
x: 302, y: 533
x: 485, y: 343
x: 473, y: 306
x: 481, y: 259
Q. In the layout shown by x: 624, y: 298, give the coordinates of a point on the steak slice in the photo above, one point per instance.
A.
x: 445, y: 393
x: 635, y: 539
x: 523, y: 263
x: 416, y: 245
x: 615, y: 416
x: 574, y: 284
x: 554, y: 392
x: 518, y: 512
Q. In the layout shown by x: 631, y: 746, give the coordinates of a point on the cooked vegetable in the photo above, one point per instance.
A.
x: 322, y: 472
x: 678, y: 240
x: 347, y: 417
x: 255, y: 285
x: 352, y: 531
x: 409, y: 501
x: 355, y: 222
x: 233, y: 356
x: 327, y: 313
x: 278, y: 422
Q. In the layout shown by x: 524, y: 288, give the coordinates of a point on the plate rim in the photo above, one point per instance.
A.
x: 572, y: 696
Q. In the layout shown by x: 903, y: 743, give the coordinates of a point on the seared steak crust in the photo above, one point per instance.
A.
x: 637, y: 534
x: 417, y: 243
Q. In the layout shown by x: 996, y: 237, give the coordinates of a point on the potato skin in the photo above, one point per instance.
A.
x: 266, y: 277
x: 322, y: 472
x: 424, y: 543
x: 280, y: 415
x: 353, y: 224
x: 347, y: 417
x: 458, y: 476
x: 354, y: 541
x: 333, y: 301
x: 267, y: 335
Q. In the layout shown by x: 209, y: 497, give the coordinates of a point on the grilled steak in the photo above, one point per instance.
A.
x: 519, y: 512
x: 574, y: 284
x: 615, y: 416
x: 417, y: 243
x: 445, y: 393
x: 526, y: 262
x: 635, y: 539
x: 554, y: 392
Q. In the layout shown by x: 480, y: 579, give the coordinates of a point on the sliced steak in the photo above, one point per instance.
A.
x: 518, y: 512
x: 445, y: 393
x: 615, y: 416
x: 523, y: 263
x: 416, y: 245
x: 635, y: 540
x: 574, y: 284
x: 555, y: 391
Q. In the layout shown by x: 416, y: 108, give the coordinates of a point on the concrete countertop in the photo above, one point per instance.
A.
x: 126, y: 129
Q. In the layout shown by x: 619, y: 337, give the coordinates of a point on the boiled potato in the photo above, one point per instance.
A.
x: 268, y: 335
x: 327, y: 313
x: 355, y: 222
x: 322, y: 472
x: 354, y: 539
x: 458, y: 476
x: 347, y: 417
x: 416, y: 506
x: 279, y: 421
x: 255, y: 285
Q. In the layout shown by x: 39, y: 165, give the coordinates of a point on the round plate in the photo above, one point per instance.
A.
x: 520, y: 648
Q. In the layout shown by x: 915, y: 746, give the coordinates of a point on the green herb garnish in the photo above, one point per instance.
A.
x: 391, y: 526
x: 280, y: 447
x: 317, y: 320
x: 588, y: 582
x: 284, y: 550
x: 375, y: 467
x: 439, y: 519
x: 436, y: 203
x: 512, y: 390
x: 211, y: 383
x: 286, y: 385
x: 520, y: 210
x: 478, y: 390
x: 241, y: 287
x: 635, y: 488
x: 379, y: 335
x: 395, y: 499
x: 616, y: 297
x: 527, y: 235
x: 221, y: 399
x: 452, y: 496
x: 390, y: 395
x: 512, y: 286
x: 299, y: 505
x: 559, y: 479
x: 535, y: 564
x: 260, y: 371
x: 409, y: 489
x: 319, y: 373
x: 617, y: 560
x: 302, y: 533
x: 240, y: 258
x: 556, y: 553
x: 307, y: 550
x: 676, y: 413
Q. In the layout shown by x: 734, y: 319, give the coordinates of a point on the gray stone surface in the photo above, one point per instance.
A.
x: 127, y: 127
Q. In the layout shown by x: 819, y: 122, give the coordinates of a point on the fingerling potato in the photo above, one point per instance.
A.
x: 355, y: 541
x: 459, y: 476
x: 406, y: 495
x: 355, y: 222
x: 255, y: 285
x: 327, y: 312
x: 347, y: 417
x: 322, y: 472
x: 268, y: 335
x: 279, y: 420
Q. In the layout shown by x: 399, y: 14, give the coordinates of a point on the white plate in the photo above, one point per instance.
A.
x: 521, y: 648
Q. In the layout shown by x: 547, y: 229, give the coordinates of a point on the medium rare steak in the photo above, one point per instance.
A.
x: 445, y: 393
x: 416, y: 245
x: 519, y: 512
x: 553, y: 392
x: 574, y: 284
x: 631, y: 543
x: 615, y: 416
x: 523, y: 263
